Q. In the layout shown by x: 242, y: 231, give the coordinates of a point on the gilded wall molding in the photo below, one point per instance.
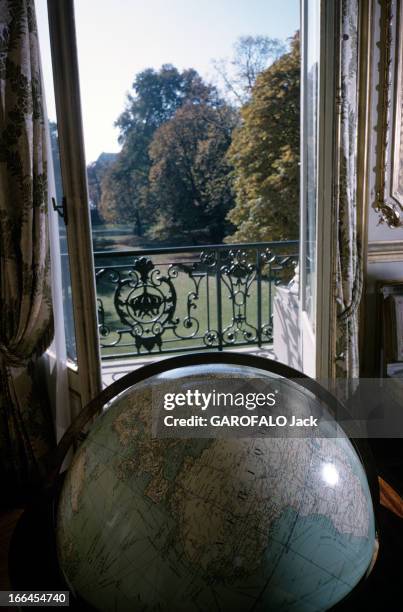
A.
x: 389, y: 164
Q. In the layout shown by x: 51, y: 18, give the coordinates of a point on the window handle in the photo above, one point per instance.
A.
x: 61, y: 209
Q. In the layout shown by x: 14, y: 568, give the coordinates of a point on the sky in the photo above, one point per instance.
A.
x: 116, y: 39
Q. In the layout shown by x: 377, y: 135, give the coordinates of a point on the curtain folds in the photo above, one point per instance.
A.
x: 26, y: 322
x: 349, y: 265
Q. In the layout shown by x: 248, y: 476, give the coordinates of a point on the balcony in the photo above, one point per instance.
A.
x: 172, y: 300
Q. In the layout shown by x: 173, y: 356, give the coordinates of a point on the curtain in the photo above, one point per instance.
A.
x: 26, y: 324
x: 349, y: 272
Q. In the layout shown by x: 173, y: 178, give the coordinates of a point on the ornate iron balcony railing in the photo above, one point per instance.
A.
x: 189, y: 298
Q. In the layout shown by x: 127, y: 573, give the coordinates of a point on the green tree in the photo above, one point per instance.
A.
x: 156, y: 97
x: 96, y: 172
x: 189, y: 183
x: 265, y: 155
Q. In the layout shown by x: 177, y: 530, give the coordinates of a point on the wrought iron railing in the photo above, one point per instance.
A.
x: 189, y: 298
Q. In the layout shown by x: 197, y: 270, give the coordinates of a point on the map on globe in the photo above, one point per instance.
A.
x: 211, y: 524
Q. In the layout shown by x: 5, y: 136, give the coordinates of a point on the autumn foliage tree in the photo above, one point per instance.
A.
x: 190, y: 189
x: 265, y: 155
x: 155, y: 98
x: 195, y: 167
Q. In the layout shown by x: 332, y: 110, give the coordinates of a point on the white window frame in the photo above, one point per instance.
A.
x: 316, y: 341
x: 85, y: 378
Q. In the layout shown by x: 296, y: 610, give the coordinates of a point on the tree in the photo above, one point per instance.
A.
x: 190, y: 184
x: 156, y: 97
x: 265, y: 155
x: 96, y: 172
x: 252, y: 54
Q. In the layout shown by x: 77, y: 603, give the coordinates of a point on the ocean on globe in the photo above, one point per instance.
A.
x: 203, y: 524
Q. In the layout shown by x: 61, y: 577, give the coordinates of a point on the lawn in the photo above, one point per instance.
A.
x: 188, y: 333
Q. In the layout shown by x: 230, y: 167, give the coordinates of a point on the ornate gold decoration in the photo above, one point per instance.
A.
x: 389, y: 176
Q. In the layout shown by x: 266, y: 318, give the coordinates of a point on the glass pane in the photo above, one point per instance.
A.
x: 42, y: 19
x: 191, y: 116
x: 311, y: 154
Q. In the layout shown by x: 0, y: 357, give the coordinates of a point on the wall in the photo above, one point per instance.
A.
x: 384, y: 258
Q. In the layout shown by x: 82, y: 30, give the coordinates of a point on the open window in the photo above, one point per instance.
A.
x: 174, y: 243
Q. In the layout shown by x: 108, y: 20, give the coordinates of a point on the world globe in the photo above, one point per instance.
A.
x: 199, y: 524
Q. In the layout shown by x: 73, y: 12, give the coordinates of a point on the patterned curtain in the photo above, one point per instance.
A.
x: 26, y: 325
x: 349, y: 273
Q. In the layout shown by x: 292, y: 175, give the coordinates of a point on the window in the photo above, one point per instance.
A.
x: 310, y: 156
x: 192, y: 138
x: 191, y: 126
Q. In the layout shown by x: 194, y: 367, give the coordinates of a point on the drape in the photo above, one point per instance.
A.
x: 349, y: 271
x: 26, y: 324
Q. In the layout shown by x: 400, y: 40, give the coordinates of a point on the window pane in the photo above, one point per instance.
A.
x: 42, y: 19
x: 311, y: 152
x: 191, y: 116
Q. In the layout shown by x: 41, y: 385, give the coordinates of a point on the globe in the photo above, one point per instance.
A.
x: 199, y: 524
